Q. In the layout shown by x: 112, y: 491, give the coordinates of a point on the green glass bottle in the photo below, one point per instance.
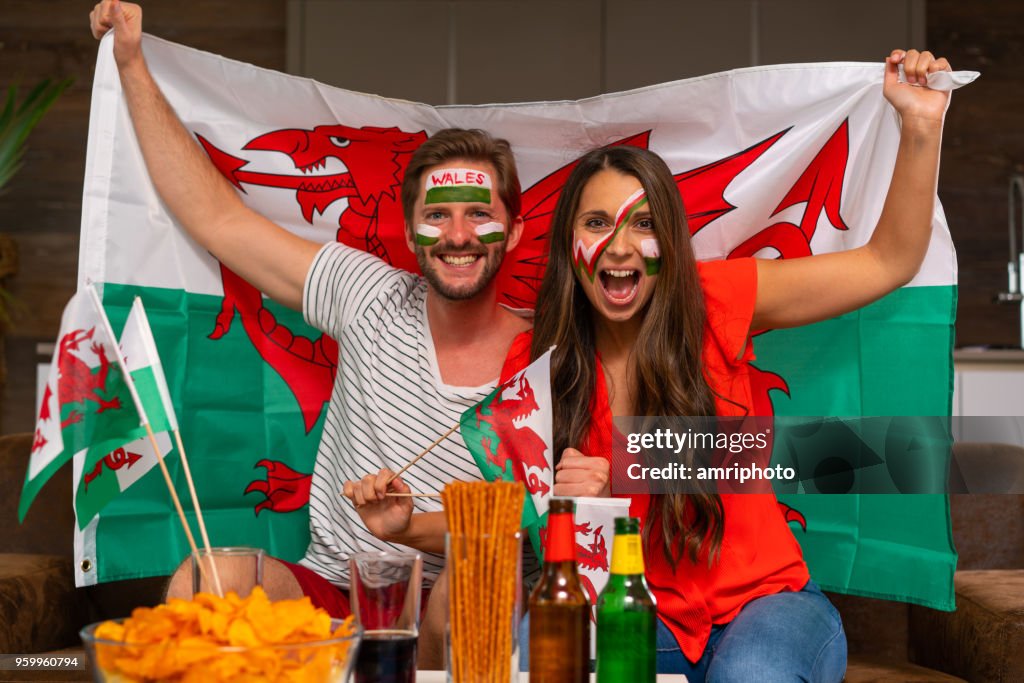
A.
x: 627, y: 615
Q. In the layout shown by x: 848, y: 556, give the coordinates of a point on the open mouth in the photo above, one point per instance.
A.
x: 460, y: 260
x: 619, y: 284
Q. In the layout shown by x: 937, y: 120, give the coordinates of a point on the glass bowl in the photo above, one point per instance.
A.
x: 171, y: 661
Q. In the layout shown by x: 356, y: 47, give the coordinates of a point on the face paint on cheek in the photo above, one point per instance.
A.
x: 652, y: 255
x: 457, y: 185
x: 585, y: 259
x: 427, y: 235
x: 490, y: 232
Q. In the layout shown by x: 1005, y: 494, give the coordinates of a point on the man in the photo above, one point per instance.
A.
x: 415, y: 352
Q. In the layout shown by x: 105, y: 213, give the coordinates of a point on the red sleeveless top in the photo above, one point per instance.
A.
x: 759, y: 555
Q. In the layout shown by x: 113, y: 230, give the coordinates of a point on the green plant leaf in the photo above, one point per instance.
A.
x: 18, y: 120
x: 12, y: 96
x: 28, y: 104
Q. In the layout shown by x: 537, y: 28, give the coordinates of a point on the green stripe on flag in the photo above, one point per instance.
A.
x: 461, y: 193
x: 885, y: 546
x: 149, y: 395
x: 93, y: 496
x: 234, y: 411
x: 905, y: 345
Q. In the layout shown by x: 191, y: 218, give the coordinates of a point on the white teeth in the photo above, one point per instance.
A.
x: 621, y: 273
x: 458, y: 260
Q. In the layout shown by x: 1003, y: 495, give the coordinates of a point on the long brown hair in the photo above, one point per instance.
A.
x: 666, y: 355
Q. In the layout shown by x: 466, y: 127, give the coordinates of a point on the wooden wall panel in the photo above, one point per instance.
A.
x: 793, y: 31
x: 527, y: 50
x: 656, y: 41
x: 41, y: 207
x: 363, y: 46
x: 983, y: 146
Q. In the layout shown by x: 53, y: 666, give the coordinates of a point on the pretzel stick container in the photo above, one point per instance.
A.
x: 484, y: 558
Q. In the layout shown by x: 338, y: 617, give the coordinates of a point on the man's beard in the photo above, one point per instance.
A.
x: 492, y: 262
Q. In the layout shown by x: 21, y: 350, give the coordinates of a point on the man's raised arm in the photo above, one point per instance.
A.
x: 268, y: 256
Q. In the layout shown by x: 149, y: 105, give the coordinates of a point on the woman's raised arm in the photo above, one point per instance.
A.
x: 843, y: 281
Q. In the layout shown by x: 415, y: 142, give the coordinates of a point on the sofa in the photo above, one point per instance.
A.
x: 983, y: 640
x: 40, y: 608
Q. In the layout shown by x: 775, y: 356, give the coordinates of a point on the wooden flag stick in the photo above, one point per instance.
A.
x: 412, y: 495
x: 424, y: 452
x: 199, y: 513
x: 177, y: 506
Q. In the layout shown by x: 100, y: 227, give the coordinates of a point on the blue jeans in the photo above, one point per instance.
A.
x: 781, y: 638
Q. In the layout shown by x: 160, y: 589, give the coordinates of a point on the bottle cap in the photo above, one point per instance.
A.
x: 627, y: 525
x: 561, y: 539
x: 559, y: 505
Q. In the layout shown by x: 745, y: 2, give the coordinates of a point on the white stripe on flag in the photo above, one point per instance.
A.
x: 139, y: 349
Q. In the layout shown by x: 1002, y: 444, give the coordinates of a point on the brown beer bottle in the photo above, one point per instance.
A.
x: 559, y: 610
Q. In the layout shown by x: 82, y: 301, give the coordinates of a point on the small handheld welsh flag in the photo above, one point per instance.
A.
x: 509, y: 435
x: 104, y: 477
x: 87, y: 405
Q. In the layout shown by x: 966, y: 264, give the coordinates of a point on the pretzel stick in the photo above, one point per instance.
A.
x: 482, y: 522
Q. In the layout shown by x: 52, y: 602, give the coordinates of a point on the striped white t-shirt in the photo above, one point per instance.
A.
x: 387, y: 405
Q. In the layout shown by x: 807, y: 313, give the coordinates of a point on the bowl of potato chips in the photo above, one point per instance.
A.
x: 222, y: 640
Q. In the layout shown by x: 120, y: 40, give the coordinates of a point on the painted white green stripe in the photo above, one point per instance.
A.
x: 490, y: 232
x: 427, y: 235
x: 462, y: 194
x: 651, y: 252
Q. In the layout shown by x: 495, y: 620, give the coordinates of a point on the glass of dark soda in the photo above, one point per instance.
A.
x: 385, y: 597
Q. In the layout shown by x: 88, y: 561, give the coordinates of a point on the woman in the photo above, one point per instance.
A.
x: 642, y: 329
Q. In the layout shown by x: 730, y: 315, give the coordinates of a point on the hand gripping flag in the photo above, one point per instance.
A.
x: 509, y: 435
x: 87, y: 407
x: 100, y: 479
x: 774, y: 161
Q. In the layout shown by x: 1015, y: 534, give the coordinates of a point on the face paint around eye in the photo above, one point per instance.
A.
x: 585, y: 259
x: 651, y: 252
x: 490, y: 232
x: 632, y: 203
x: 427, y: 235
x: 457, y: 185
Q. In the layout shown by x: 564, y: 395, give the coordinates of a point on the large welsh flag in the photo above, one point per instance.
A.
x: 777, y: 162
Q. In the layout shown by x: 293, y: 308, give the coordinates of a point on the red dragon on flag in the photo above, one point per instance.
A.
x: 520, y: 445
x: 375, y: 160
